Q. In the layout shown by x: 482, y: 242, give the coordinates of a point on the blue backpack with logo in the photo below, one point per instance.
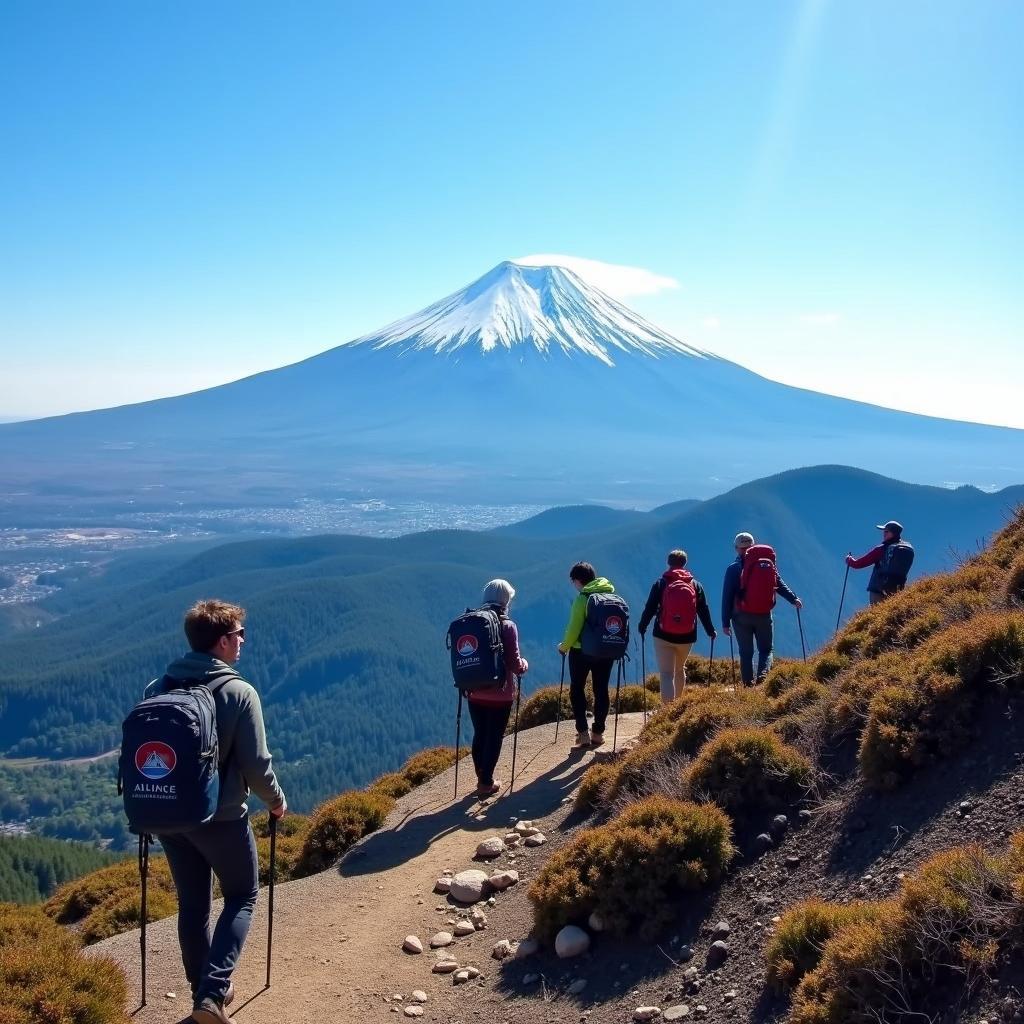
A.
x: 606, y: 627
x: 478, y: 656
x: 168, y: 772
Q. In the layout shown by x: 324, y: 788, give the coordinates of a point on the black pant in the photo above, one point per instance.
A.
x: 750, y: 627
x: 600, y: 671
x: 489, y: 722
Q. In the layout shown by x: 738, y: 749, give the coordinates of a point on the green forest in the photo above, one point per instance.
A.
x: 32, y: 867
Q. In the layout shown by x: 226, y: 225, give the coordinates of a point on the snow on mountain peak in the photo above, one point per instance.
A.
x: 548, y: 307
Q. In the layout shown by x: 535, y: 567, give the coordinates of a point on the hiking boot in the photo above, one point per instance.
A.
x: 229, y: 996
x: 483, y: 791
x: 582, y: 739
x: 210, y: 1011
x: 596, y: 738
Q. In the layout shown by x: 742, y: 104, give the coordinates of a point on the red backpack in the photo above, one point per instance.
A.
x: 678, y: 613
x: 758, y: 580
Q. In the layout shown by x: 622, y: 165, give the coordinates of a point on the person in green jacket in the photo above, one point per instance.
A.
x: 583, y: 577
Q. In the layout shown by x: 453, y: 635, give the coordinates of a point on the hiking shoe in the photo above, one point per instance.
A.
x: 229, y: 996
x: 210, y: 1011
x: 582, y: 739
x: 486, y: 791
x: 596, y: 738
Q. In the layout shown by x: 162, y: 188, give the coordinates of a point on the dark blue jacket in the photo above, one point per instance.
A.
x: 731, y: 589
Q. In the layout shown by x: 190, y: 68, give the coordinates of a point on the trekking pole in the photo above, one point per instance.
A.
x: 458, y: 739
x: 711, y: 663
x: 843, y: 598
x: 732, y: 658
x: 515, y: 735
x: 618, y: 687
x: 561, y: 685
x: 800, y: 626
x: 144, y: 878
x: 270, y: 894
x: 643, y: 679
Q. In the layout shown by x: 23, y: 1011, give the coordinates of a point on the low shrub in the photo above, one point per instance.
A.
x: 629, y: 773
x: 635, y: 698
x: 541, y: 707
x: 700, y: 714
x: 427, y: 764
x: 291, y: 834
x: 394, y: 785
x: 886, y: 960
x: 799, y: 696
x: 796, y: 947
x: 828, y: 665
x: 1013, y: 592
x: 635, y: 869
x: 784, y: 674
x: 45, y: 978
x: 595, y: 786
x: 109, y: 901
x: 748, y: 771
x: 336, y: 825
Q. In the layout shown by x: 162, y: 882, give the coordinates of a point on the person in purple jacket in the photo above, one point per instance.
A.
x: 490, y: 708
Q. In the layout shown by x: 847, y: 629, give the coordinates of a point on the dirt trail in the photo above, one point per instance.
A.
x: 337, y: 935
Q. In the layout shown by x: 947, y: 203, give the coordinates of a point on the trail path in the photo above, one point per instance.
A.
x: 337, y: 935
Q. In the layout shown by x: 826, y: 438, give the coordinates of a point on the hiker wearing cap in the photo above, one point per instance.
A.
x: 891, y: 561
x: 675, y: 603
x: 490, y: 707
x: 586, y: 581
x: 748, y: 597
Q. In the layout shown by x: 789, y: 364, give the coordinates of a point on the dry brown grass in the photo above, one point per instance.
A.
x: 45, y: 979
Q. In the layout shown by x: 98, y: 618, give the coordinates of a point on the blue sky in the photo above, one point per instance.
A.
x: 829, y: 192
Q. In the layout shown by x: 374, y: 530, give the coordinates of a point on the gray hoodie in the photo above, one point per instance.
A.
x: 242, y: 739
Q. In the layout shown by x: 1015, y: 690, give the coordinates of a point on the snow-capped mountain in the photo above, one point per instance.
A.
x: 528, y: 385
x: 550, y: 308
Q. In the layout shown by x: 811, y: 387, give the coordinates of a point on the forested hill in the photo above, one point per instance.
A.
x: 32, y: 867
x: 345, y: 635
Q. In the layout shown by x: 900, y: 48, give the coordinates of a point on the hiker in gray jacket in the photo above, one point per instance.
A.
x: 224, y: 846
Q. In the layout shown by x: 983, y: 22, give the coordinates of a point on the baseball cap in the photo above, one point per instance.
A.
x: 892, y: 526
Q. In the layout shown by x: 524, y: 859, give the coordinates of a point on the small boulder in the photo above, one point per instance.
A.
x: 717, y: 954
x: 478, y: 919
x: 513, y: 839
x: 502, y: 880
x: 468, y: 886
x: 440, y: 940
x: 414, y: 1011
x: 419, y: 996
x: 721, y: 930
x: 646, y: 1012
x: 443, y: 885
x: 473, y: 972
x: 502, y: 950
x: 577, y: 986
x: 779, y: 824
x: 412, y: 944
x: 526, y: 947
x: 464, y: 928
x: 678, y: 1012
x: 445, y: 966
x: 595, y: 922
x: 571, y: 941
x: 792, y: 861
x: 460, y: 977
x: 493, y: 846
x: 763, y: 843
x: 536, y: 839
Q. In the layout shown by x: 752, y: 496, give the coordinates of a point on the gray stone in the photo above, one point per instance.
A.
x: 443, y: 886
x: 721, y: 930
x: 445, y: 966
x: 685, y: 954
x: 526, y: 947
x: 414, y: 1011
x: 763, y: 843
x: 464, y: 928
x: 577, y: 986
x: 571, y: 941
x: 793, y: 861
x: 646, y: 1012
x: 412, y: 944
x: 502, y: 949
x: 441, y: 939
x: 469, y: 886
x: 502, y: 880
x: 419, y: 996
x: 493, y: 846
x: 478, y: 919
x: 536, y: 839
x: 460, y: 977
x: 595, y: 922
x: 718, y: 954
x: 677, y: 1012
x: 779, y: 824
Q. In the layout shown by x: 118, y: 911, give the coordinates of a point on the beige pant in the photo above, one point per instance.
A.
x: 671, y: 667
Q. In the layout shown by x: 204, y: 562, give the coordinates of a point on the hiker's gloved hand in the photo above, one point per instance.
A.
x: 798, y: 603
x: 526, y: 667
x: 279, y: 812
x: 850, y: 560
x: 727, y: 630
x: 563, y: 649
x: 714, y: 635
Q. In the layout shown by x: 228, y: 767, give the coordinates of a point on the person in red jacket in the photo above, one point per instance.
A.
x: 490, y: 708
x: 891, y: 561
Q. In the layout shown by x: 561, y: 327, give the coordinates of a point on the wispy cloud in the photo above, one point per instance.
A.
x: 820, y: 319
x: 614, y: 278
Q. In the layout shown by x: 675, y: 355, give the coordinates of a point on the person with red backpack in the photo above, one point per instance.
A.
x: 748, y: 597
x: 675, y: 603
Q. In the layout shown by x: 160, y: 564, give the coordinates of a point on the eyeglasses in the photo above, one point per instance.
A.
x: 240, y: 632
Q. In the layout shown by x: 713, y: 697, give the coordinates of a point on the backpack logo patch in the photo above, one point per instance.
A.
x: 466, y: 645
x: 155, y: 760
x: 613, y: 625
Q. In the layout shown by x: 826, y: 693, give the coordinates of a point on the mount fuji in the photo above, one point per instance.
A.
x: 528, y: 385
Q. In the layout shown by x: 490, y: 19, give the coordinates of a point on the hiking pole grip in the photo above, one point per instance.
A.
x: 270, y: 894
x: 144, y: 878
x: 515, y: 735
x: 842, y: 599
x: 561, y: 685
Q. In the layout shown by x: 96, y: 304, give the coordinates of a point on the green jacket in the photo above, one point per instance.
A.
x: 578, y: 611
